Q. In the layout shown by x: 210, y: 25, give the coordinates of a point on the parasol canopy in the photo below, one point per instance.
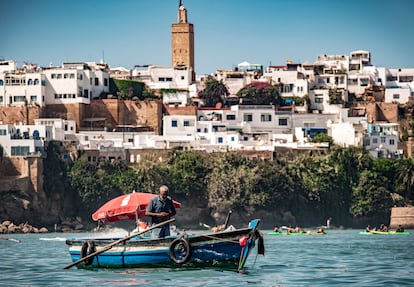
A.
x: 129, y: 206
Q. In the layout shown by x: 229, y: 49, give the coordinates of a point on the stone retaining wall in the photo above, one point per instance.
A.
x: 403, y: 216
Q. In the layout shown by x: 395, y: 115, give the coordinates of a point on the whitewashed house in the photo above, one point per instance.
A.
x: 163, y: 77
x: 71, y: 83
x: 381, y: 140
x: 399, y: 85
x: 21, y: 140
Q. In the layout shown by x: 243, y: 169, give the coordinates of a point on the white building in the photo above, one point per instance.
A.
x: 159, y: 77
x: 71, y: 83
x: 21, y: 140
x: 399, y: 85
x: 381, y: 140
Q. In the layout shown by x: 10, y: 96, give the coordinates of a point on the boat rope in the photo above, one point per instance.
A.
x: 254, y: 262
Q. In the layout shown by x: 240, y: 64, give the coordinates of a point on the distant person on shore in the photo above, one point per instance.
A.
x: 400, y: 228
x: 328, y: 222
x: 161, y: 208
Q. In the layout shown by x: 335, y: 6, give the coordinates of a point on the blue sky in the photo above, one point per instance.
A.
x: 227, y: 32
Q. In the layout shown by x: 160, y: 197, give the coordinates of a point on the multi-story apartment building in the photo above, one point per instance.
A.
x: 71, y: 83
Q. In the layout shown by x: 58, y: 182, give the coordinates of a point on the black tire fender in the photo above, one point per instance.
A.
x: 180, y: 250
x: 88, y: 247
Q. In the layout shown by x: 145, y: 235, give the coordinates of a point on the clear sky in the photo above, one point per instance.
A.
x: 227, y: 32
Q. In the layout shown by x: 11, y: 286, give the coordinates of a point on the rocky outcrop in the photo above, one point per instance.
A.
x: 9, y: 227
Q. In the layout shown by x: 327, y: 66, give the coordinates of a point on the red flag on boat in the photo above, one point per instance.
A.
x: 129, y: 206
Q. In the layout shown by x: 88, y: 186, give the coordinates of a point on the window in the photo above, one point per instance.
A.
x: 231, y: 117
x: 3, y: 132
x: 406, y: 79
x: 33, y: 98
x: 233, y: 139
x: 65, y: 76
x: 220, y: 140
x: 36, y: 82
x: 186, y: 123
x: 19, y: 98
x: 72, y: 76
x: 174, y: 124
x: 266, y: 117
x: 1, y: 83
x: 374, y: 140
x: 283, y: 122
x: 59, y: 76
x: 247, y: 117
x: 1, y: 99
x: 396, y: 96
x: 383, y: 140
x: 20, y: 150
x: 53, y: 76
x: 29, y: 82
x: 105, y: 82
x: 318, y: 100
x: 96, y: 81
x: 392, y: 142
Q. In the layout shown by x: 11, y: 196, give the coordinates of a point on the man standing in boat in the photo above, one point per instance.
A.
x: 161, y: 208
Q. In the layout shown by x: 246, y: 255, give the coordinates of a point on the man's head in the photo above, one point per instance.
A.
x: 163, y: 191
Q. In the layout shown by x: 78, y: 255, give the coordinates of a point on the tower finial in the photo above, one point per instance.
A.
x: 180, y: 3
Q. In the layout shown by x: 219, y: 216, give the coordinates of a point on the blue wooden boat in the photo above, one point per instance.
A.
x: 231, y: 246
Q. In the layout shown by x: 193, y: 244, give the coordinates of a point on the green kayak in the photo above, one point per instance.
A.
x: 296, y: 233
x: 383, y: 232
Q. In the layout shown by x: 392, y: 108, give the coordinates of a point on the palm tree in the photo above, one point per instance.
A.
x: 405, y: 176
x: 214, y: 92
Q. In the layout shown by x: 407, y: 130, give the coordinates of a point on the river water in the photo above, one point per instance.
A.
x: 339, y: 258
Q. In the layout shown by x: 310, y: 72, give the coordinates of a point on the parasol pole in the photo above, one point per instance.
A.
x: 109, y: 246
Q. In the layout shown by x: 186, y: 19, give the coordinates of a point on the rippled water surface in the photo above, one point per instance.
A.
x: 340, y: 258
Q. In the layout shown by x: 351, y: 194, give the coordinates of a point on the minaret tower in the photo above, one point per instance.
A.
x: 182, y: 41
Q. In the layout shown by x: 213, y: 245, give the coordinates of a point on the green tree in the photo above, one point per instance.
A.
x: 96, y: 183
x: 273, y: 186
x: 150, y: 174
x: 335, y: 97
x: 323, y: 138
x: 213, y: 93
x: 259, y: 93
x: 187, y: 171
x: 369, y: 198
x: 230, y: 183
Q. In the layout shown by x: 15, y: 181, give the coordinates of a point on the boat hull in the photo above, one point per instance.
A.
x: 383, y: 233
x: 210, y: 249
x: 296, y: 233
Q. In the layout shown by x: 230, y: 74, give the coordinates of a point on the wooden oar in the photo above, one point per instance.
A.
x: 109, y: 246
